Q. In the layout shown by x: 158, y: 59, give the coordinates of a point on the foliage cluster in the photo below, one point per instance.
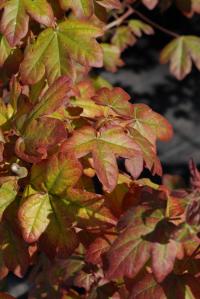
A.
x: 74, y: 210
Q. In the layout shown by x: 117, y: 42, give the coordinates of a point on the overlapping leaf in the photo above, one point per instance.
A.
x: 8, y: 192
x: 150, y: 124
x: 116, y: 99
x: 59, y: 239
x: 57, y: 174
x: 55, y: 51
x: 104, y: 146
x: 14, y: 250
x: 34, y: 216
x: 5, y: 50
x: 180, y: 53
x: 81, y: 8
x: 111, y: 57
x: 15, y: 19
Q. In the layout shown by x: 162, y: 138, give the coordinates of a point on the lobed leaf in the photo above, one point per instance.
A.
x: 72, y: 41
x: 111, y: 57
x: 180, y: 53
x: 103, y: 146
x: 57, y: 174
x: 15, y: 19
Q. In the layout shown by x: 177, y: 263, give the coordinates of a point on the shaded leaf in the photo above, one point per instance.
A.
x: 5, y: 50
x: 111, y: 57
x: 14, y: 250
x: 6, y: 296
x: 123, y: 37
x: 138, y: 28
x: 59, y: 239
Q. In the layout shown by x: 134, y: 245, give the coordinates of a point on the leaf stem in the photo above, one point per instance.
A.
x: 120, y: 20
x: 155, y: 25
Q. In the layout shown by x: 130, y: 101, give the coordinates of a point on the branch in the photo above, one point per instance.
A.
x: 155, y: 25
x: 120, y: 20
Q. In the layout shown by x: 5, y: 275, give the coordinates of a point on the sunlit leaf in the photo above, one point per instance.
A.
x: 71, y: 41
x: 34, y: 216
x: 180, y: 53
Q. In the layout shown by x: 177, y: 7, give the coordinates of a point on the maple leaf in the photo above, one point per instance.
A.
x: 85, y: 101
x: 72, y: 41
x: 180, y: 53
x: 147, y: 287
x: 111, y: 57
x: 6, y: 296
x: 57, y: 174
x: 81, y: 8
x: 148, y: 155
x: 104, y: 146
x: 34, y: 216
x: 14, y: 250
x: 5, y: 50
x: 138, y: 27
x: 15, y: 19
x: 60, y: 239
x: 98, y: 248
x: 8, y: 192
x: 41, y: 137
x: 116, y: 99
x: 123, y: 38
x: 140, y: 241
x: 150, y: 124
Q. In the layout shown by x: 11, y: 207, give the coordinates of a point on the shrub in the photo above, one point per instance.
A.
x: 74, y: 210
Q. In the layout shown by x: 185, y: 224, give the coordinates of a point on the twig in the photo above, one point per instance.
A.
x: 120, y: 20
x: 155, y: 25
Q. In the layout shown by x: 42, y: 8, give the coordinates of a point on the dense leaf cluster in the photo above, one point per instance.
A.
x: 73, y: 207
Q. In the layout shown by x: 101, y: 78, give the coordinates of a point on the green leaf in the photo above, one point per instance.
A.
x: 81, y: 8
x: 60, y: 239
x: 103, y: 146
x: 5, y: 50
x: 57, y: 174
x: 15, y: 20
x: 55, y: 96
x: 180, y: 53
x: 8, y: 192
x: 72, y: 41
x: 138, y: 28
x: 111, y: 57
x: 34, y: 216
x: 123, y: 38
